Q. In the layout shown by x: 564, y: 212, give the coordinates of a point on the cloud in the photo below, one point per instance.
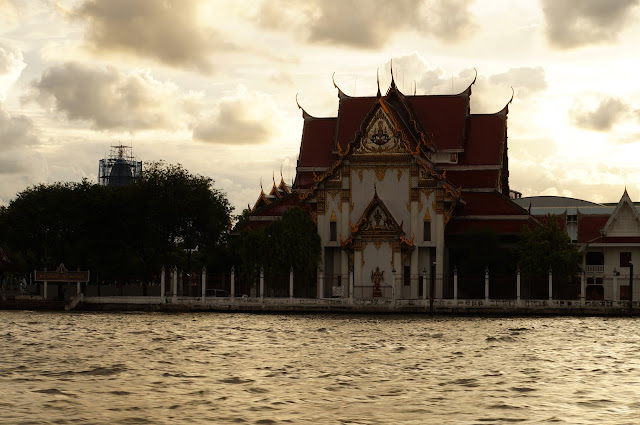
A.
x: 244, y: 118
x: 11, y: 66
x: 571, y: 24
x: 110, y: 99
x: 8, y: 14
x: 527, y: 80
x: 374, y: 22
x: 607, y: 114
x: 170, y: 31
x: 16, y: 131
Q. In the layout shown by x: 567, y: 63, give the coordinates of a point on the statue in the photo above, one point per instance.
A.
x: 376, y: 278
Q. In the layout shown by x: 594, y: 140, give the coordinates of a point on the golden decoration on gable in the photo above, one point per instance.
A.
x: 380, y: 172
x: 380, y: 136
x: 360, y: 172
x: 333, y: 216
x: 399, y: 174
x: 377, y: 244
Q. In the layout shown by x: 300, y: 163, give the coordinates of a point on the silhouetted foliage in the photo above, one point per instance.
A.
x: 547, y: 246
x: 121, y: 232
x: 290, y: 242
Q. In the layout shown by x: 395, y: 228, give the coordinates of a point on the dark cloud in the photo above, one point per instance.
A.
x: 603, y: 117
x: 16, y: 131
x: 367, y: 23
x: 109, y: 99
x: 571, y: 24
x: 170, y: 31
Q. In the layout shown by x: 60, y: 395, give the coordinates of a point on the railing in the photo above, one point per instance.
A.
x: 594, y: 269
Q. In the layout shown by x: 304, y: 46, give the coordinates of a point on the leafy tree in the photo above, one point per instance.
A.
x: 290, y: 242
x: 548, y: 246
x: 122, y: 232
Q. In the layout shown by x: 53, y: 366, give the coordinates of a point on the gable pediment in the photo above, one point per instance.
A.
x: 380, y: 136
x: 625, y: 219
x: 377, y: 222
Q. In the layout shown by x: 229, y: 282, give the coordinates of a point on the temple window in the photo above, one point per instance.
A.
x: 427, y: 231
x: 333, y: 231
x: 407, y: 276
x: 625, y: 259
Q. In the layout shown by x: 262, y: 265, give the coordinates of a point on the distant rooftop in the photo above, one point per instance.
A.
x: 554, y: 202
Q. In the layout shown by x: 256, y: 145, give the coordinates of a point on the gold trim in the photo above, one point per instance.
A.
x: 399, y: 174
x: 377, y: 244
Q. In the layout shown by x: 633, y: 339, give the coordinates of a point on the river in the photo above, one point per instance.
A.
x: 209, y: 368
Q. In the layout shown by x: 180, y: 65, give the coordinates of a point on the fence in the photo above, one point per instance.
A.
x: 590, y: 286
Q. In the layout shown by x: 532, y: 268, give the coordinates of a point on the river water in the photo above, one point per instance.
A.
x: 148, y: 368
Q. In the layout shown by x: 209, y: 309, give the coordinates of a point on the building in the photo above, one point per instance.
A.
x: 608, y: 235
x: 392, y: 182
x: 120, y: 167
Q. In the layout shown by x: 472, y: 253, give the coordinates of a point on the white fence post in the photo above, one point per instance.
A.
x: 351, y: 285
x: 162, y: 285
x: 174, y: 279
x: 550, y: 284
x: 204, y: 283
x: 518, y: 286
x: 486, y: 285
x: 424, y: 284
x: 233, y: 283
x: 320, y: 283
x: 291, y: 284
x: 455, y: 283
x: 261, y: 284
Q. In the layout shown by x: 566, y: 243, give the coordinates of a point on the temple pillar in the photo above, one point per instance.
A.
x: 357, y: 267
x: 439, y: 260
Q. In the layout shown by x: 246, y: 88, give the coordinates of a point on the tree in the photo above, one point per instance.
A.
x: 290, y: 242
x: 120, y: 232
x: 547, y: 246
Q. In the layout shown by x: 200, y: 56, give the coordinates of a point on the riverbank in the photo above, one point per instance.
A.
x: 474, y: 307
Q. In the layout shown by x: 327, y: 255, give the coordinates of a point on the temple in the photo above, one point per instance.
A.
x: 393, y: 183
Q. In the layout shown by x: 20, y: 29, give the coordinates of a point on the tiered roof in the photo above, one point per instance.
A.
x: 470, y: 149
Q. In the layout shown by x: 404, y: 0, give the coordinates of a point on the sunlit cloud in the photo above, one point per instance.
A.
x: 571, y: 24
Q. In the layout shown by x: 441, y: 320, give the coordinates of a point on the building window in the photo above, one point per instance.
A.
x: 407, y: 275
x: 572, y: 218
x: 333, y: 231
x: 625, y: 259
x: 595, y: 258
x: 427, y: 231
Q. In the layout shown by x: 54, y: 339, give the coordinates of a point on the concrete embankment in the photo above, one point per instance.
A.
x: 335, y: 305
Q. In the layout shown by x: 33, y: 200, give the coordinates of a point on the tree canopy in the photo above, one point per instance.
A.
x: 119, y: 231
x: 290, y: 242
x: 547, y: 246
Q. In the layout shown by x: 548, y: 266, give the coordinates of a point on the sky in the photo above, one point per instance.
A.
x: 212, y: 85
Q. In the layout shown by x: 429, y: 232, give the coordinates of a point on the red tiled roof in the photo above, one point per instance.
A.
x: 618, y: 239
x: 317, y: 142
x: 561, y: 219
x: 483, y: 146
x: 442, y: 116
x: 473, y: 178
x: 500, y: 226
x: 279, y: 206
x: 488, y: 203
x: 589, y: 226
x: 304, y: 180
x: 352, y: 112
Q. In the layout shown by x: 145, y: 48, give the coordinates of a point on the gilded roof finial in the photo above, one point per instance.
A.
x: 305, y: 115
x: 378, y: 81
x: 475, y: 77
x: 512, y: 94
x: 281, y: 177
x: 375, y: 188
x: 261, y: 188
